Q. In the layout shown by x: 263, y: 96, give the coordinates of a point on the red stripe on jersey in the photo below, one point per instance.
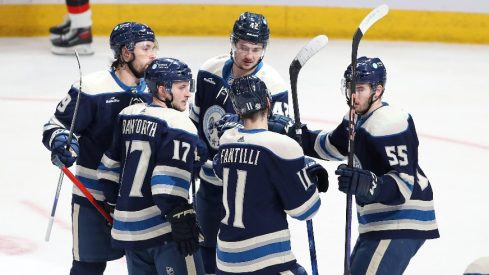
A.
x: 79, y: 9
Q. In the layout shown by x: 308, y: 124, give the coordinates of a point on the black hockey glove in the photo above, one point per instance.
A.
x: 110, y: 208
x: 361, y: 183
x: 184, y: 228
x: 284, y: 125
x: 58, y: 148
x: 318, y: 174
x: 228, y: 121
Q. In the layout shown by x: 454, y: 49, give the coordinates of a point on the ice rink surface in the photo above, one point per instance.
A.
x: 441, y: 85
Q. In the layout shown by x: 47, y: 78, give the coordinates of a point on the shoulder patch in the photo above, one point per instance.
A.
x: 215, y: 65
x: 272, y: 79
x: 102, y: 80
x: 387, y: 121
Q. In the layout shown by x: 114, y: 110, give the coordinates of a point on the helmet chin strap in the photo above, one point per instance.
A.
x: 168, y: 102
x: 370, y: 102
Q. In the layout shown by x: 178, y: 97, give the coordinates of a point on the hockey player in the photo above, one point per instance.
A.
x: 103, y: 95
x: 249, y: 42
x: 265, y: 177
x: 394, y: 198
x: 146, y: 175
x: 75, y: 32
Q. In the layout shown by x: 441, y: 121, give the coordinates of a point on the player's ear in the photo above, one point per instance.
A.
x: 162, y: 92
x: 126, y: 54
x: 378, y: 92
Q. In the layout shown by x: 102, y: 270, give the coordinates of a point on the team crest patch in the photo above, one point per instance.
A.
x: 211, y: 117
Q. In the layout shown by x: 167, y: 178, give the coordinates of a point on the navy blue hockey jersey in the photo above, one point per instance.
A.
x: 147, y: 171
x: 212, y: 101
x: 102, y: 97
x: 386, y: 143
x: 264, y: 178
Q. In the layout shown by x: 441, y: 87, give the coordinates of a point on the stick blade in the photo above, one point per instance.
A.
x: 373, y: 17
x: 314, y: 46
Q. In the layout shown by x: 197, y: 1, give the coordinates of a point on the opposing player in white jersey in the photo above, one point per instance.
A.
x: 265, y: 176
x: 249, y: 43
x: 146, y: 174
x: 103, y: 95
x: 394, y: 198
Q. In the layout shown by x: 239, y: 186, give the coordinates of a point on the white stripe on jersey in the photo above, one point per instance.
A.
x: 398, y: 225
x: 141, y: 235
x: 96, y: 194
x: 135, y: 216
x: 165, y: 189
x: 331, y: 152
x: 248, y: 244
x: 195, y: 113
x: 408, y: 205
x: 173, y: 172
x: 404, y: 182
x: 257, y: 264
x: 108, y: 175
x: 205, y: 172
x: 86, y: 172
x: 110, y: 163
x: 297, y: 212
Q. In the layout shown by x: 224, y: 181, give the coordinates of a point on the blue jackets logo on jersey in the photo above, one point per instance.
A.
x: 211, y: 117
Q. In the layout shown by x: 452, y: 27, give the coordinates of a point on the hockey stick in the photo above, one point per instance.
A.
x: 70, y: 136
x: 83, y: 189
x: 314, y: 46
x: 367, y: 22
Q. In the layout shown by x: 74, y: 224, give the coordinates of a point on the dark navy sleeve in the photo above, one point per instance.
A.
x: 64, y: 113
x: 109, y: 170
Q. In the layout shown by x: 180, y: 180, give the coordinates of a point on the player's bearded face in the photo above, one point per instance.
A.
x: 362, y: 97
x: 247, y: 54
x: 144, y: 53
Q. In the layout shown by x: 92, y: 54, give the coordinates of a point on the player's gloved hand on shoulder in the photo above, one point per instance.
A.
x: 184, y: 228
x: 228, y: 121
x: 284, y: 125
x: 361, y: 183
x: 317, y: 173
x: 110, y: 208
x: 201, y: 154
x: 58, y: 142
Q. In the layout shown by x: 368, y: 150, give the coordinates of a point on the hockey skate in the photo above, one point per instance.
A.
x: 79, y: 39
x: 57, y: 31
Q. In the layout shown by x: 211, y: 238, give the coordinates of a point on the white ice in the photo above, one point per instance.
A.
x: 441, y: 85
